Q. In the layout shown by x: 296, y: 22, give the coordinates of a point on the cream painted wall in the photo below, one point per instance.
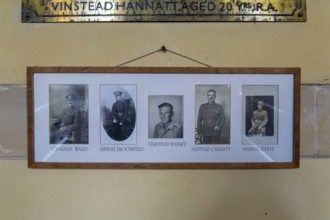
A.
x: 306, y: 45
x: 300, y: 194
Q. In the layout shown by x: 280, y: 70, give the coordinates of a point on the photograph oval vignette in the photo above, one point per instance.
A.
x: 118, y: 114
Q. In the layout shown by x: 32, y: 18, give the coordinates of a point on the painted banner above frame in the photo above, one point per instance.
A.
x: 163, y: 118
x: 163, y: 10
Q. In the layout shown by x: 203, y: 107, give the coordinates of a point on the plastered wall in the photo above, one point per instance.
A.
x: 299, y: 194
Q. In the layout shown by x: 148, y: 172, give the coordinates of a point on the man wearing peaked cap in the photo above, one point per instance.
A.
x: 118, y: 116
x: 259, y: 120
x: 67, y: 124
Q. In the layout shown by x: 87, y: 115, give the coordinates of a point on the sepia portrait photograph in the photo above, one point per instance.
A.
x: 212, y: 114
x: 118, y: 114
x: 68, y: 114
x: 259, y: 117
x: 165, y: 116
x: 260, y: 114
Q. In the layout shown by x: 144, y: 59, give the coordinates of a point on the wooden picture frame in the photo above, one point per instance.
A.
x: 163, y: 118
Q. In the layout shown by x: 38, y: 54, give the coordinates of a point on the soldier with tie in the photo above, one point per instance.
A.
x: 259, y: 121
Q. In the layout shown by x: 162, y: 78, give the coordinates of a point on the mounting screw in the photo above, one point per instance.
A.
x: 163, y: 48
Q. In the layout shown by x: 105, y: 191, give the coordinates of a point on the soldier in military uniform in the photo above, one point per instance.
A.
x: 259, y: 120
x: 67, y: 125
x: 118, y: 118
x: 210, y: 121
x: 119, y: 109
x: 166, y: 128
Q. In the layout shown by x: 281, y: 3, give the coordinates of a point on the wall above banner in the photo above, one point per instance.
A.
x: 38, y: 11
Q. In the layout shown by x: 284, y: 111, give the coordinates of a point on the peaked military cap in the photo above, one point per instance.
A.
x: 117, y: 93
x: 70, y: 96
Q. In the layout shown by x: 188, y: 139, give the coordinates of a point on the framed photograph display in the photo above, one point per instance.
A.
x: 163, y: 118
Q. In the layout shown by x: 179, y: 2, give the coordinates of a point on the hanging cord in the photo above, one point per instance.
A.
x: 188, y: 58
x: 164, y: 50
